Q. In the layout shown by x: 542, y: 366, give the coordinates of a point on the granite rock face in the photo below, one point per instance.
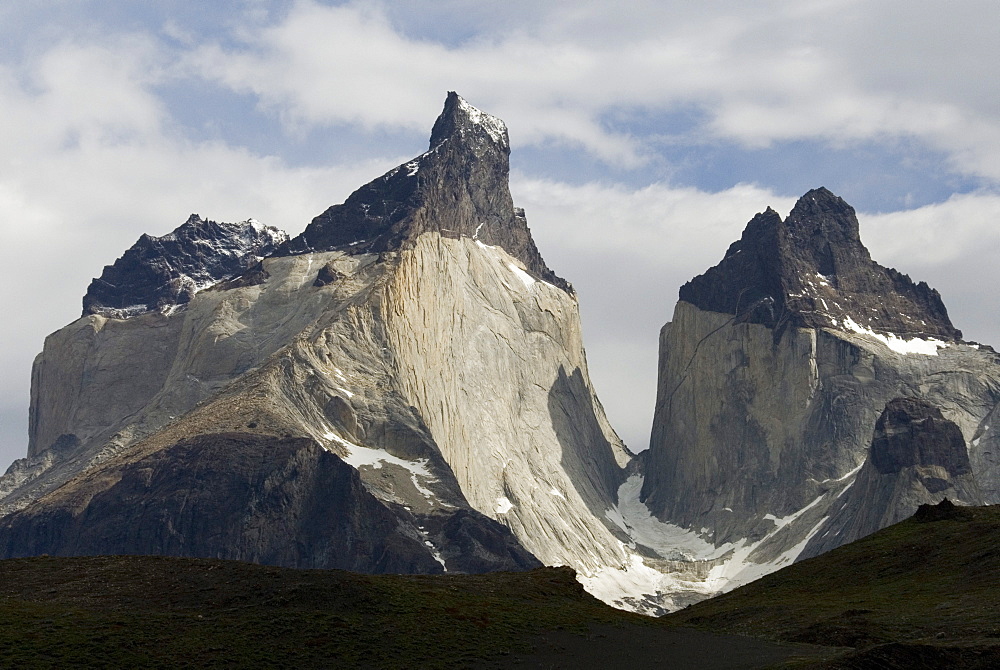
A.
x: 413, y: 333
x: 773, y: 373
x: 158, y: 273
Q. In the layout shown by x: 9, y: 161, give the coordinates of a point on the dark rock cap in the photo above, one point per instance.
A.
x: 157, y: 272
x: 811, y: 270
x: 912, y: 432
x: 945, y: 510
x: 459, y: 187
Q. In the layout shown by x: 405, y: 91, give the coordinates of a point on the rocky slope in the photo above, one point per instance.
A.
x: 413, y: 332
x: 773, y: 374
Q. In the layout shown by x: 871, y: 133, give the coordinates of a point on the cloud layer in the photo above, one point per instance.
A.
x: 118, y: 119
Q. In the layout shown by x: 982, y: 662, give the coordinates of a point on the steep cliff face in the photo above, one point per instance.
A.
x: 773, y: 373
x: 413, y: 332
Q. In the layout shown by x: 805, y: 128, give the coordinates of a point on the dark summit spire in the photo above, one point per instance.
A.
x: 458, y: 188
x: 812, y: 270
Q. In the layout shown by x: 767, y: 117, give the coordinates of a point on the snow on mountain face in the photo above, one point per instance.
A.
x: 159, y: 273
x: 773, y: 372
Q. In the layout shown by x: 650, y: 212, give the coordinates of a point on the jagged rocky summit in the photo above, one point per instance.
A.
x: 432, y: 193
x: 767, y: 442
x: 403, y: 386
x: 164, y: 272
x: 811, y: 270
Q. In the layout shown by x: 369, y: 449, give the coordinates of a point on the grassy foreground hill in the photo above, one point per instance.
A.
x: 921, y: 594
x: 135, y: 612
x: 924, y: 593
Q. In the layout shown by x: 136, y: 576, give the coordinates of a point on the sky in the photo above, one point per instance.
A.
x: 644, y: 136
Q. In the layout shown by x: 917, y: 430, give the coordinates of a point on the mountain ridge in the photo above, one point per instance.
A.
x: 159, y: 273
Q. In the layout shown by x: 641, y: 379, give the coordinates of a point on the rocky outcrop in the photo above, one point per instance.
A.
x: 917, y: 458
x: 773, y: 373
x: 258, y: 498
x: 413, y: 332
x: 158, y: 273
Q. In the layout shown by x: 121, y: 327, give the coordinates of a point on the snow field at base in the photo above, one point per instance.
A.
x: 358, y: 456
x: 928, y: 347
x: 642, y: 588
x: 738, y: 570
x: 637, y: 587
x: 669, y: 541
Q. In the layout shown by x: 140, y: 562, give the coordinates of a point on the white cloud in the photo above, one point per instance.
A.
x: 831, y: 70
x: 90, y: 156
x: 935, y: 234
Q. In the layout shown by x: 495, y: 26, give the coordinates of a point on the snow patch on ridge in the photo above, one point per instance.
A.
x: 358, y: 456
x: 525, y: 278
x: 493, y: 126
x: 503, y: 506
x: 928, y: 347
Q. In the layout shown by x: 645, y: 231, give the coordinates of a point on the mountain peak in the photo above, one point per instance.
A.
x: 820, y: 200
x: 812, y: 270
x: 159, y: 272
x: 462, y: 119
x: 459, y: 188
